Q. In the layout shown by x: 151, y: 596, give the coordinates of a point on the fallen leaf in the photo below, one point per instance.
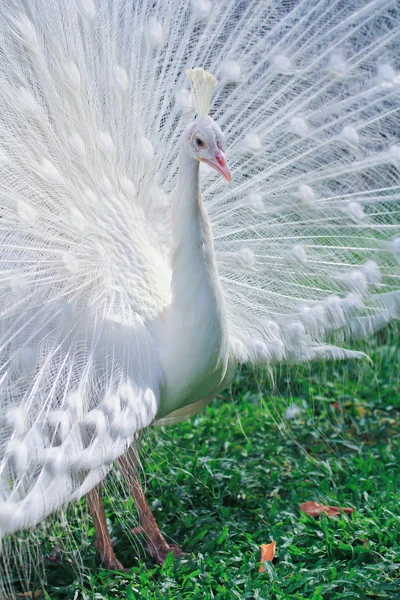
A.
x: 314, y: 509
x: 267, y: 553
x: 361, y: 411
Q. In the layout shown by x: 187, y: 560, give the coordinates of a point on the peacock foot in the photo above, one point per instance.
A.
x: 160, y: 551
x: 108, y: 558
x: 157, y: 546
x: 113, y: 564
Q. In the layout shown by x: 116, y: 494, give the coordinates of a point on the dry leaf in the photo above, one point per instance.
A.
x: 314, y: 509
x: 361, y: 411
x: 267, y: 553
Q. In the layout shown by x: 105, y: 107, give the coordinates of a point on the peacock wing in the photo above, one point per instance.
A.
x: 82, y: 268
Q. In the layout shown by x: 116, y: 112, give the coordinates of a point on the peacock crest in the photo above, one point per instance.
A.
x: 202, y: 84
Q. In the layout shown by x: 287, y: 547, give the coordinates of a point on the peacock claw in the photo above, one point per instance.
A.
x: 108, y: 558
x: 114, y: 565
x: 159, y: 553
x: 157, y: 546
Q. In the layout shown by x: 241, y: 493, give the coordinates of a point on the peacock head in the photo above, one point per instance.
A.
x: 203, y: 139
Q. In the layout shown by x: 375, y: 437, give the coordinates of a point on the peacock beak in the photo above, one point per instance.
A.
x: 219, y: 164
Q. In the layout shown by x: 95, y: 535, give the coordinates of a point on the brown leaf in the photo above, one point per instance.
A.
x: 36, y: 594
x: 267, y: 553
x: 314, y: 509
x: 361, y: 411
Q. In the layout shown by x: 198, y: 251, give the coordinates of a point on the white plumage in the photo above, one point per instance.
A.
x: 125, y: 297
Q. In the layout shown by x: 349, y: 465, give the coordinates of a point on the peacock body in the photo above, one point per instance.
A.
x: 133, y: 279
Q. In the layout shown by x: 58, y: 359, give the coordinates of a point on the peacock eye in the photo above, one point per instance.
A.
x: 199, y: 143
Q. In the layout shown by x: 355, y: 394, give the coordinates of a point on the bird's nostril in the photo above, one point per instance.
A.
x: 220, y: 160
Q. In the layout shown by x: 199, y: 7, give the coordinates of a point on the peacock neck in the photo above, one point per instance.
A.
x: 194, y: 347
x: 191, y: 231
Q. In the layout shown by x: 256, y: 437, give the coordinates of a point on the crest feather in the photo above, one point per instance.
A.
x: 202, y: 84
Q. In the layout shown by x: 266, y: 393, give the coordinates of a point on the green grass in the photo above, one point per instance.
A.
x: 234, y: 477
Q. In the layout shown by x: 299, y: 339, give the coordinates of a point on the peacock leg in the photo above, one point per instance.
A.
x: 103, y: 542
x: 157, y: 546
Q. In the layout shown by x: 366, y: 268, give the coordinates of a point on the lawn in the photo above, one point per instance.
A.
x: 233, y: 478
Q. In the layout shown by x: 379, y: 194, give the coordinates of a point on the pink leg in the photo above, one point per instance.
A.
x: 103, y: 541
x: 157, y: 546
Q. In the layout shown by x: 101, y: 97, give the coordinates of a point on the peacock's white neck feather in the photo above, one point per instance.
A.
x: 193, y: 335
